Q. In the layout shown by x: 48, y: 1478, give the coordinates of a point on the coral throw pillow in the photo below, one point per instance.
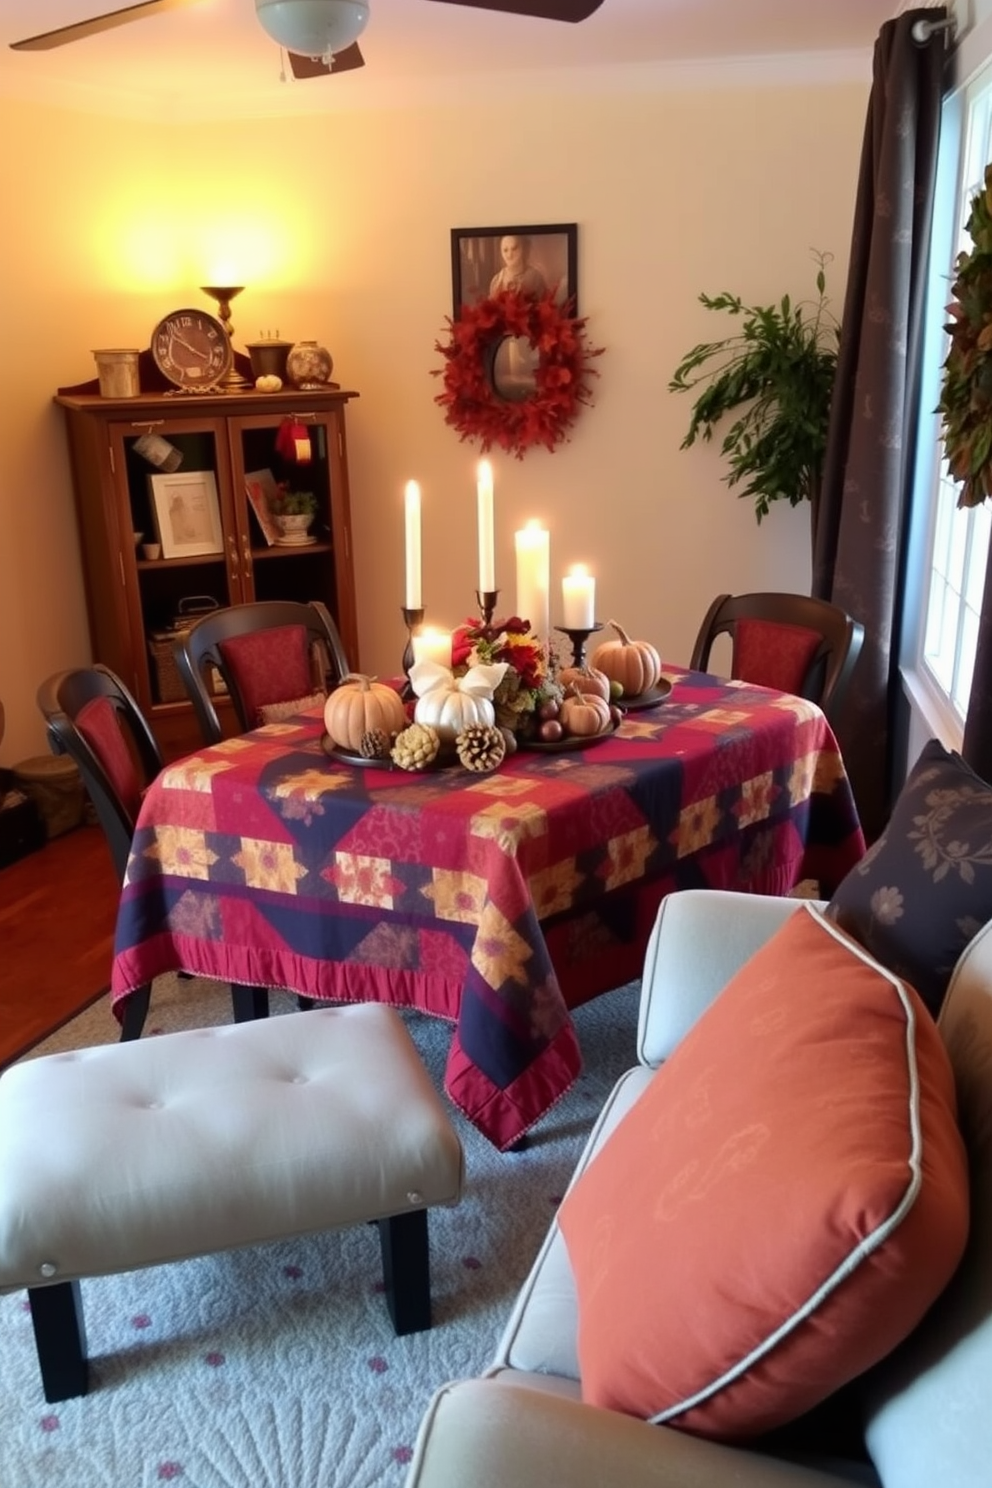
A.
x: 782, y: 1204
x: 924, y: 889
x: 269, y: 666
x: 771, y: 654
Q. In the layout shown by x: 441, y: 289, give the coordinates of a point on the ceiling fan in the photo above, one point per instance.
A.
x: 320, y: 36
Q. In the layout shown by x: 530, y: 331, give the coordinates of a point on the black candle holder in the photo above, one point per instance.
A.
x: 486, y: 600
x: 578, y: 637
x: 413, y: 620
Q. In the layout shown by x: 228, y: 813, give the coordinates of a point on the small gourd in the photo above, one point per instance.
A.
x: 586, y: 679
x: 268, y: 382
x: 636, y: 665
x: 359, y: 705
x: 585, y: 714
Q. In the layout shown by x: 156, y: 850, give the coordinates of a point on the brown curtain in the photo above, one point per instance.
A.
x: 977, y: 746
x: 860, y: 538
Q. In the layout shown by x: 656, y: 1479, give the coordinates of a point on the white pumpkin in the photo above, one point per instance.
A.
x: 450, y: 704
x: 450, y: 711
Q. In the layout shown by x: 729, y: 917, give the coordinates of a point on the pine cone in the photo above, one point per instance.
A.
x: 480, y: 747
x: 374, y: 744
x: 416, y: 747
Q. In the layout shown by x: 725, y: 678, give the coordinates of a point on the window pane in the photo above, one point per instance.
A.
x: 960, y: 528
x: 975, y: 576
x: 941, y: 631
x: 966, y: 662
x: 942, y: 533
x: 958, y: 539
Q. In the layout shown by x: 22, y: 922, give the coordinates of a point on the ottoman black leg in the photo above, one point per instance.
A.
x: 60, y: 1338
x: 406, y: 1270
x: 249, y: 1003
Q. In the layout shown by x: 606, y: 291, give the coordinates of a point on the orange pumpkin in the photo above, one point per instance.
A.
x: 586, y: 679
x: 359, y: 704
x: 585, y: 714
x: 636, y: 665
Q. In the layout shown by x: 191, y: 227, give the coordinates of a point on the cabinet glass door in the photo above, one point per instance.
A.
x: 292, y: 464
x: 180, y: 533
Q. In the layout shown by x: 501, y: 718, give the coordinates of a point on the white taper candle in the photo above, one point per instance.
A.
x: 414, y: 594
x: 487, y: 558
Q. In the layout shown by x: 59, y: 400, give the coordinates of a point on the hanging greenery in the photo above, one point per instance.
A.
x: 778, y: 369
x: 966, y: 395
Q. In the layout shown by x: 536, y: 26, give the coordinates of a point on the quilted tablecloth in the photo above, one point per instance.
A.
x: 496, y: 901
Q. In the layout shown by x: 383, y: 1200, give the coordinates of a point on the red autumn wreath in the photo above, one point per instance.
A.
x: 470, y: 400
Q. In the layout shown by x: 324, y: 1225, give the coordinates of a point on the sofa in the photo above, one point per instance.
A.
x: 919, y: 1417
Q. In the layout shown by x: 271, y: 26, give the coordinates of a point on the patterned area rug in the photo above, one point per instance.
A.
x: 277, y: 1367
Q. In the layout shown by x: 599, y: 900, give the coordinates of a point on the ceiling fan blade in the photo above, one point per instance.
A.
x: 48, y: 39
x: 545, y: 10
x: 343, y: 61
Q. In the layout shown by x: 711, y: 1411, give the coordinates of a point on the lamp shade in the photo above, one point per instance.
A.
x: 313, y: 28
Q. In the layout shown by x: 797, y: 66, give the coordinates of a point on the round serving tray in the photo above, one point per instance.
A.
x: 345, y: 756
x: 572, y: 741
x: 446, y: 756
x: 649, y: 699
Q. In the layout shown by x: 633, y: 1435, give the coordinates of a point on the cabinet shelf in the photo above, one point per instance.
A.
x: 130, y: 598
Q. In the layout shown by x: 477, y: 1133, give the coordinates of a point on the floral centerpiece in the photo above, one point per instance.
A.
x: 530, y: 676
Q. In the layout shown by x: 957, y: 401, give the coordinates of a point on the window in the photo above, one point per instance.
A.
x: 950, y: 545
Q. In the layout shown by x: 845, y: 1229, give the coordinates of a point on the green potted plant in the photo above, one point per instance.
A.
x: 965, y: 403
x: 292, y: 512
x: 778, y: 371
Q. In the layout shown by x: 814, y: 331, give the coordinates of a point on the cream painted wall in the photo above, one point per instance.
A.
x: 344, y: 223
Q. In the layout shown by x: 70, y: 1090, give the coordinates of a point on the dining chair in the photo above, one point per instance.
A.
x: 272, y: 656
x: 92, y: 717
x: 790, y: 642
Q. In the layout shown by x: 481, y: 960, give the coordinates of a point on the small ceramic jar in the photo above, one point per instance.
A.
x: 309, y: 365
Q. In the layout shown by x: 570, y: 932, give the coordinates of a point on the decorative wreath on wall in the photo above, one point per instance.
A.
x: 471, y: 401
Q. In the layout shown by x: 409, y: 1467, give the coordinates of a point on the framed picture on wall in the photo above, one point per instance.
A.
x: 485, y: 260
x: 187, y: 513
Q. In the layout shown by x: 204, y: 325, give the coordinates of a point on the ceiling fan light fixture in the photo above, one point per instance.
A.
x: 313, y: 28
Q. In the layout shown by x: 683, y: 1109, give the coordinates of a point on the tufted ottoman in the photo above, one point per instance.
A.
x: 134, y: 1154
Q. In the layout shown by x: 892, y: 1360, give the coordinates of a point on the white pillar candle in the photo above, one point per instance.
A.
x: 487, y: 560
x: 533, y: 577
x: 578, y: 597
x: 414, y: 599
x: 433, y: 645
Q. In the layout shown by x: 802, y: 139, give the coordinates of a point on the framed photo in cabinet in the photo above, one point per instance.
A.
x: 187, y: 513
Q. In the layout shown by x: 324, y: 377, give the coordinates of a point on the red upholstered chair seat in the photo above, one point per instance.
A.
x: 771, y: 654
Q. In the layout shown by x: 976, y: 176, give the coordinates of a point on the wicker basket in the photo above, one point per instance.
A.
x: 168, y: 683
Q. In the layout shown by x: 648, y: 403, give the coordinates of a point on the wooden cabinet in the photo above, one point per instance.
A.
x: 133, y: 600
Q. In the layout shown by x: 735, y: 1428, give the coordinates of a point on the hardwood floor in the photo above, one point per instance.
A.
x: 57, y: 913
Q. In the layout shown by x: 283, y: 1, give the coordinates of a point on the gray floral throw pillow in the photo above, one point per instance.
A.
x: 925, y: 887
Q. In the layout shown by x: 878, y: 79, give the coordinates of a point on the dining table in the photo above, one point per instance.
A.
x: 497, y: 901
